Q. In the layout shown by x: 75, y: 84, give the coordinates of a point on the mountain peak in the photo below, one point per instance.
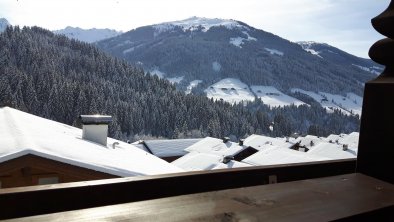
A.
x: 87, y: 35
x: 196, y: 23
x: 3, y: 24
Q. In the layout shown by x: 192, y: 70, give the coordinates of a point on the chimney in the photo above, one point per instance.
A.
x: 241, y: 142
x: 95, y: 128
x: 345, y: 147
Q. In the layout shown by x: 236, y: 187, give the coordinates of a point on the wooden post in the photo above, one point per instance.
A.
x: 376, y: 143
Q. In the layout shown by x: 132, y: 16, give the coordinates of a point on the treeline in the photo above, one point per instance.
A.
x: 57, y: 78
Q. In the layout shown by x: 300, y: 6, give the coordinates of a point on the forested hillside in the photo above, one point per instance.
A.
x: 57, y: 78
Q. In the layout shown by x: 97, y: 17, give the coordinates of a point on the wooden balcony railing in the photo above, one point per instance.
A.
x: 351, y: 197
x: 28, y: 201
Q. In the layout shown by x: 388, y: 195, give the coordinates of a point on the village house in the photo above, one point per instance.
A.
x: 34, y: 151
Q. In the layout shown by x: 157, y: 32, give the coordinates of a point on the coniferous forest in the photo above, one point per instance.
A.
x: 57, y: 78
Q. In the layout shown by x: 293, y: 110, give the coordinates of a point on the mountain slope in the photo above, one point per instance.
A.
x: 88, y: 35
x: 214, y: 49
x: 337, y: 56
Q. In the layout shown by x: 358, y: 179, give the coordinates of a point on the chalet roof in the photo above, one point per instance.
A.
x: 168, y: 148
x: 23, y: 133
x: 332, y: 151
x: 260, y: 142
x: 306, y: 140
x: 351, y: 140
x: 275, y: 155
x: 215, y: 146
x: 205, y: 161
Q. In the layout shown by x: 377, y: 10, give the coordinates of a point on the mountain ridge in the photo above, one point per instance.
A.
x: 188, y: 49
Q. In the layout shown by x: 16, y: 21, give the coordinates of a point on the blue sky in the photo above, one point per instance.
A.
x: 341, y: 23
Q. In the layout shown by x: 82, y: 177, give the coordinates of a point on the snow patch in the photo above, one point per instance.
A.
x: 238, y: 41
x: 374, y: 69
x: 274, y: 52
x: 157, y: 72
x: 273, y: 97
x: 230, y: 90
x: 307, y: 46
x: 192, y: 84
x: 174, y: 80
x: 351, y: 104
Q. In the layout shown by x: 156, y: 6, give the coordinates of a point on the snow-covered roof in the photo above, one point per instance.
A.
x: 332, y: 151
x: 204, y: 161
x: 276, y: 155
x: 167, y: 148
x: 23, y: 133
x: 306, y: 141
x: 260, y: 142
x: 216, y: 147
x: 351, y: 140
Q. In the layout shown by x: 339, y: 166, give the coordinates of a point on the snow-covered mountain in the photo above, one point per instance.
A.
x: 233, y: 61
x: 335, y: 55
x: 3, y: 24
x: 88, y: 35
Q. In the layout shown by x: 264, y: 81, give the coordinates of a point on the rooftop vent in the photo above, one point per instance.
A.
x: 227, y: 159
x: 345, y: 147
x: 226, y: 139
x: 241, y: 142
x: 95, y: 128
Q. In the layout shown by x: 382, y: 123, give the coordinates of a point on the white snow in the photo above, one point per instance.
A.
x: 307, y: 46
x: 309, y: 141
x: 88, y: 35
x: 273, y: 97
x: 192, y: 84
x: 332, y: 151
x: 157, y: 72
x: 275, y: 156
x: 204, y: 161
x: 216, y: 147
x: 374, y: 69
x: 274, y: 52
x: 216, y: 66
x: 195, y: 23
x: 238, y: 41
x: 260, y: 142
x: 230, y: 90
x: 350, y: 104
x: 23, y: 133
x: 175, y: 79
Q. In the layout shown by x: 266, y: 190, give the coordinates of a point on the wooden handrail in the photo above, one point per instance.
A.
x: 28, y: 201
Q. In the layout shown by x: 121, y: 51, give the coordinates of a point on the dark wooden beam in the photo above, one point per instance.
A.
x: 28, y: 201
x: 352, y: 197
x: 376, y: 143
